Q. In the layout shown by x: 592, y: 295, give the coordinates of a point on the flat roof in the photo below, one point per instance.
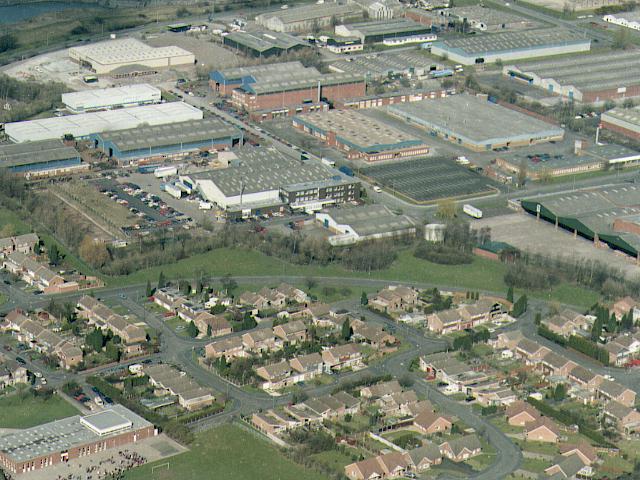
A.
x: 111, y: 96
x: 305, y: 13
x: 627, y: 115
x: 283, y: 84
x: 105, y: 422
x: 358, y: 131
x: 173, y: 134
x: 86, y: 124
x: 588, y: 71
x: 268, y: 72
x: 61, y: 435
x: 265, y: 169
x: 473, y: 119
x: 386, y: 27
x: 35, y: 152
x: 488, y: 16
x: 384, y: 63
x: 511, y: 41
x: 263, y: 41
x: 125, y: 50
x: 370, y: 219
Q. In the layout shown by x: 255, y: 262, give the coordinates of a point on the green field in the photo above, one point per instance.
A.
x: 227, y: 452
x: 23, y: 410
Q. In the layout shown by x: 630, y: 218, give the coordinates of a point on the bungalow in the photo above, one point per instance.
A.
x: 462, y: 448
x: 292, y: 332
x: 169, y: 380
x: 542, y: 430
x: 303, y: 415
x: 314, y: 312
x: 188, y: 312
x: 585, y: 378
x: 169, y: 299
x: 343, y: 356
x: 530, y: 351
x: 585, y: 451
x: 291, y: 293
x: 261, y: 340
x: 625, y: 418
x: 270, y: 424
x: 394, y: 298
x: 429, y: 423
x: 390, y: 465
x: 306, y: 367
x: 500, y: 396
x: 624, y: 306
x: 69, y: 354
x: 276, y: 375
x: 571, y: 466
x: 231, y: 347
x: 507, y: 340
x: 424, y: 457
x: 553, y: 364
x: 609, y: 390
x: 212, y: 325
x: 521, y: 413
x: 381, y: 389
x: 374, y: 335
x: 397, y: 404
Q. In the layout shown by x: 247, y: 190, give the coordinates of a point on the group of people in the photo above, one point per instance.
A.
x: 113, y: 467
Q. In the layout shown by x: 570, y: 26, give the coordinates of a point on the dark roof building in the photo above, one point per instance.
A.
x: 263, y: 44
x: 42, y: 158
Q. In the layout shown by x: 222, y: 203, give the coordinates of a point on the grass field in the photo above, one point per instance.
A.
x: 227, y: 452
x: 24, y: 410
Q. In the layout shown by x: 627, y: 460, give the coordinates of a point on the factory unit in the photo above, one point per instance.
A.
x: 287, y: 111
x: 46, y: 158
x: 106, y: 57
x: 342, y: 44
x: 380, y: 9
x: 507, y: 46
x: 432, y: 89
x: 306, y: 18
x: 492, y: 126
x: 381, y: 66
x: 487, y: 19
x: 263, y: 44
x: 624, y: 19
x: 364, y: 223
x: 164, y: 142
x: 396, y: 31
x: 609, y: 216
x: 110, y: 98
x: 85, y: 124
x: 58, y: 442
x: 625, y: 121
x: 262, y: 180
x: 583, y: 78
x: 360, y: 136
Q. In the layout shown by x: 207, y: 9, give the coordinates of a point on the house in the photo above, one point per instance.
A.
x: 618, y: 354
x: 521, y: 413
x: 292, y: 294
x: 32, y: 272
x: 261, y: 340
x: 292, y: 332
x: 609, y: 390
x: 374, y: 335
x: 213, y: 325
x: 625, y: 305
x: 462, y: 448
x: 567, y: 323
x: 308, y: 366
x: 11, y: 373
x: 444, y: 322
x: 429, y: 423
x: 381, y: 389
x: 553, y: 364
x: 344, y: 356
x: 394, y: 298
x: 586, y: 452
x: 276, y: 375
x: 507, y: 340
x: 542, y: 430
x: 270, y: 424
x: 169, y: 299
x: 251, y: 299
x: 530, y: 351
x: 231, y: 347
x: 626, y: 419
x: 397, y: 404
x: 169, y: 380
x: 571, y: 466
x: 425, y: 457
x: 585, y: 378
x: 70, y: 355
x: 389, y: 465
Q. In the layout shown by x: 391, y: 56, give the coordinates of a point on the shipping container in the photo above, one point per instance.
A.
x: 162, y: 172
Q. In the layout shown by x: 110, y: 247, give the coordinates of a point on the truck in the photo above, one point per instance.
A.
x: 147, y: 168
x: 441, y: 73
x: 172, y: 190
x: 472, y: 211
x: 162, y: 172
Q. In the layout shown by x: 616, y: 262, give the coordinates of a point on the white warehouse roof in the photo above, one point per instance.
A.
x: 111, y: 97
x: 85, y: 124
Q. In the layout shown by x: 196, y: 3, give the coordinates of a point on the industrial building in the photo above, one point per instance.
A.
x: 490, y: 126
x: 625, y: 121
x: 109, y: 98
x: 282, y: 85
x: 45, y: 158
x: 161, y: 142
x: 583, y: 78
x: 360, y: 136
x: 583, y: 159
x: 431, y: 89
x: 263, y: 44
x: 262, y: 180
x: 624, y: 19
x: 111, y: 55
x: 488, y: 19
x: 85, y: 124
x: 342, y: 44
x: 609, y: 216
x: 380, y: 9
x: 364, y: 223
x: 396, y: 31
x: 58, y: 442
x: 507, y: 46
x: 382, y: 65
x: 305, y: 18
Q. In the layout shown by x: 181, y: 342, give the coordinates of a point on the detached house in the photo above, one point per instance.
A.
x: 570, y: 467
x: 394, y: 298
x: 231, y: 347
x: 553, y: 364
x: 625, y: 419
x: 462, y: 448
x: 521, y: 413
x: 169, y: 299
x: 276, y: 375
x: 624, y: 306
x: 429, y: 423
x: 343, y: 356
x: 308, y: 366
x: 609, y: 390
x: 542, y: 430
x: 390, y: 465
x: 585, y: 378
x: 216, y: 325
x: 425, y: 457
x: 261, y: 340
x: 292, y: 332
x: 530, y: 351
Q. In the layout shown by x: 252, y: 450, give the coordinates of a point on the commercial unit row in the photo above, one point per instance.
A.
x: 625, y: 121
x: 624, y: 19
x: 106, y: 57
x: 583, y: 78
x: 86, y: 124
x: 46, y: 158
x: 263, y: 44
x: 609, y: 216
x: 431, y: 89
x: 108, y: 98
x: 507, y: 46
x: 58, y: 442
x: 396, y: 31
x: 288, y: 111
x: 475, y: 123
x: 162, y: 142
x: 309, y: 17
x: 261, y: 180
x: 360, y: 136
x: 485, y: 19
x: 414, y: 64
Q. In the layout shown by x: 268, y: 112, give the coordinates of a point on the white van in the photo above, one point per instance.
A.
x: 377, y: 189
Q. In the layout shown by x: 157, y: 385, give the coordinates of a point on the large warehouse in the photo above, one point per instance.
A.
x: 475, y: 123
x: 308, y: 17
x: 507, y: 46
x: 85, y: 124
x: 625, y: 121
x: 360, y: 136
x: 263, y: 44
x: 606, y: 215
x: 584, y: 78
x: 410, y: 63
x: 41, y: 159
x: 105, y: 57
x: 395, y: 31
x: 58, y: 442
x: 261, y: 180
x: 167, y: 141
x: 108, y: 98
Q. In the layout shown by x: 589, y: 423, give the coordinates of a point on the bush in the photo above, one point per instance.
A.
x: 442, y: 254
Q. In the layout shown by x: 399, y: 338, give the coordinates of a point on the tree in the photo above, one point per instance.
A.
x: 310, y: 283
x: 522, y: 172
x: 510, y: 295
x: 347, y: 331
x: 8, y: 42
x: 364, y: 299
x: 95, y: 340
x: 596, y: 330
x: 149, y: 289
x: 112, y: 351
x: 93, y: 252
x: 228, y: 284
x: 192, y: 330
x: 185, y: 287
x: 621, y: 39
x: 446, y: 209
x: 54, y: 254
x: 161, y: 280
x: 209, y: 330
x: 560, y: 392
